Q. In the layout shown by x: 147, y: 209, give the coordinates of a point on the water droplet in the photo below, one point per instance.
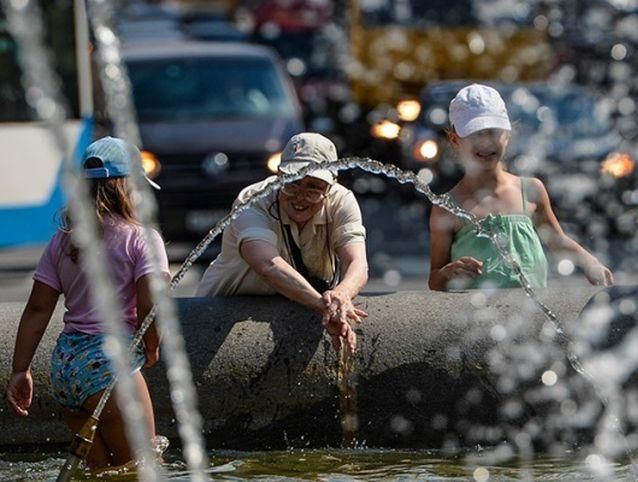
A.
x: 498, y: 333
x: 566, y: 267
x: 481, y: 474
x: 627, y: 306
x: 392, y: 278
x: 598, y: 465
x: 549, y: 378
x: 618, y: 52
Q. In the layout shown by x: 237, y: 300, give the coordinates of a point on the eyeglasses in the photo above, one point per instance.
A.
x: 312, y: 195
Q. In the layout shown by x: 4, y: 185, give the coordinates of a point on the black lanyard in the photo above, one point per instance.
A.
x: 295, y: 253
x: 317, y: 283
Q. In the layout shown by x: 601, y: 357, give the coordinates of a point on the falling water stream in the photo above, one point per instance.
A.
x: 120, y: 107
x: 42, y: 87
x: 346, y: 374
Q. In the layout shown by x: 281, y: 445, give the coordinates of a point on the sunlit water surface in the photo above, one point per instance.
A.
x: 332, y: 465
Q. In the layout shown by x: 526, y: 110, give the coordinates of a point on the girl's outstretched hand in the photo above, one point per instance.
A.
x: 20, y: 392
x: 599, y: 275
x: 465, y: 266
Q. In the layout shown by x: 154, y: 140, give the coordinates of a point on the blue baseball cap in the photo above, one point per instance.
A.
x: 116, y: 156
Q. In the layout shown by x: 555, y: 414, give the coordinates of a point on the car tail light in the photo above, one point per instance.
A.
x: 386, y: 129
x: 426, y: 150
x: 618, y: 164
x: 273, y: 161
x: 408, y: 110
x: 150, y: 164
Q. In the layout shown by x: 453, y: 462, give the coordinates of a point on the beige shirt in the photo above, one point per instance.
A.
x: 337, y: 224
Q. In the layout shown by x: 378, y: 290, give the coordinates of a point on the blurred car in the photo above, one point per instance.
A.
x: 563, y: 134
x: 213, y: 118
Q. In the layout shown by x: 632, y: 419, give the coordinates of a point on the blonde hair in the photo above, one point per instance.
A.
x: 111, y: 197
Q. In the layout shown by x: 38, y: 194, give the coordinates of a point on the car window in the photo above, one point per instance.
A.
x: 203, y: 88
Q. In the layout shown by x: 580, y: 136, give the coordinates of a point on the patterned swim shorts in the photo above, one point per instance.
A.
x: 79, y: 368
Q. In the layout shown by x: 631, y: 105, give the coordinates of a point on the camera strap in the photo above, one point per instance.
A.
x: 295, y: 252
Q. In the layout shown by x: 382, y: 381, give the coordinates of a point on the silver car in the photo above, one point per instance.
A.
x: 214, y: 117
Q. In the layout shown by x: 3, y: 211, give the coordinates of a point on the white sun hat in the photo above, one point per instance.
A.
x: 477, y: 107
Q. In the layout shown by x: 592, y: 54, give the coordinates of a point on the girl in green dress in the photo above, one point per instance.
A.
x: 510, y: 206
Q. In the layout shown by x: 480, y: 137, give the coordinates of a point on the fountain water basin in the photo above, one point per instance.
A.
x: 266, y: 374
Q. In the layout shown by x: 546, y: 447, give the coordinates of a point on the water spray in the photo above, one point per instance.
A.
x: 24, y: 21
x: 346, y: 360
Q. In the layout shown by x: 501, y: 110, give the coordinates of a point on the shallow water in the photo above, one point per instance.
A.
x: 333, y: 465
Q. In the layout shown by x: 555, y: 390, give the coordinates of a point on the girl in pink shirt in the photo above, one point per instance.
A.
x: 80, y: 370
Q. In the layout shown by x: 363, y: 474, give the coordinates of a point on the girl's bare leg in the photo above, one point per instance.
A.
x: 111, y: 429
x: 98, y: 455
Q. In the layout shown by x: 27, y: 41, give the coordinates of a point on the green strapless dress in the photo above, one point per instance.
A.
x: 519, y: 235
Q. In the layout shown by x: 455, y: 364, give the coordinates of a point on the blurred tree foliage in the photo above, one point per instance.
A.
x: 60, y: 38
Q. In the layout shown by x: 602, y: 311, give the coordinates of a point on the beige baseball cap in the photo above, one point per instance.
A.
x: 306, y: 148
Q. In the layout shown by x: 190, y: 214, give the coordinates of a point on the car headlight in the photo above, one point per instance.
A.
x: 273, y: 162
x: 385, y: 129
x: 426, y: 150
x: 150, y: 164
x: 617, y: 165
x: 408, y: 110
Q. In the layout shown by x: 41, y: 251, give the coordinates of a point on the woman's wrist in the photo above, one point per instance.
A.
x: 318, y: 304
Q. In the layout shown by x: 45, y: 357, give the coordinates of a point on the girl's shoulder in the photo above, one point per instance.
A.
x: 126, y: 231
x: 59, y: 241
x: 455, y: 196
x: 534, y: 188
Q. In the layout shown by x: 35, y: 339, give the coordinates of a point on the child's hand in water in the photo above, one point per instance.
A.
x: 20, y: 392
x: 152, y: 356
x: 599, y: 275
x: 465, y: 266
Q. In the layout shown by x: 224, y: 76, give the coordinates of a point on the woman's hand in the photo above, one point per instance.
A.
x: 20, y: 392
x: 339, y: 308
x: 599, y: 275
x: 339, y: 335
x: 338, y: 311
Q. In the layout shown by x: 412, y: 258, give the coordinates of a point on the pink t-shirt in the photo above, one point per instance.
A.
x: 128, y: 259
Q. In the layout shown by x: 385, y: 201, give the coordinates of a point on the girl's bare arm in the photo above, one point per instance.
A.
x: 552, y: 233
x: 33, y: 324
x: 144, y: 305
x: 441, y: 237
